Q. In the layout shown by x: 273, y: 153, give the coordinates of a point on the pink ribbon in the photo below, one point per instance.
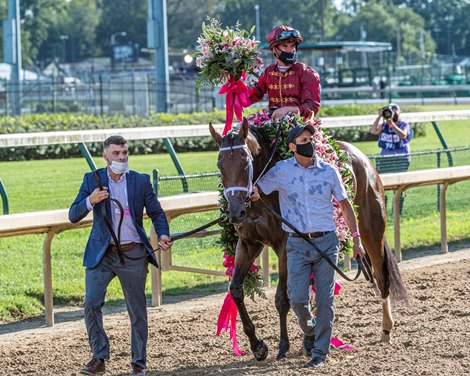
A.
x: 339, y: 344
x: 228, y: 317
x: 236, y: 97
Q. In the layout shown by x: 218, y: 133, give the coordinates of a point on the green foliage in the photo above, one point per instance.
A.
x: 90, y: 23
x: 68, y: 122
x: 381, y: 20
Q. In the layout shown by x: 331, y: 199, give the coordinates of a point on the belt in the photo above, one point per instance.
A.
x: 310, y: 235
x: 124, y: 247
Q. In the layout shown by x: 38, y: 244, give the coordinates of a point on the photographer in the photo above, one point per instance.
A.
x: 394, y: 139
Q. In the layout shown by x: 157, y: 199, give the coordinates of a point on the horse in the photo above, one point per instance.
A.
x: 243, y: 156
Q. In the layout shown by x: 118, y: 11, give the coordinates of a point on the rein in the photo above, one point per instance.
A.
x: 365, y: 270
x: 117, y: 237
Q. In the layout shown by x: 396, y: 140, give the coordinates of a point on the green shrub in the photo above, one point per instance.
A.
x: 67, y: 122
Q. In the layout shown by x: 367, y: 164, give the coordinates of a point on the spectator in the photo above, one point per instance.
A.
x: 394, y: 139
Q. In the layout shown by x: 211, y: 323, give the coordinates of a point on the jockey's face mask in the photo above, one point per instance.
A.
x: 288, y: 58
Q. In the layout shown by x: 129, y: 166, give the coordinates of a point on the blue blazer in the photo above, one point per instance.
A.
x: 140, y: 194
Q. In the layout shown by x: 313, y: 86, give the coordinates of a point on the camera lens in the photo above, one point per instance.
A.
x: 387, y: 113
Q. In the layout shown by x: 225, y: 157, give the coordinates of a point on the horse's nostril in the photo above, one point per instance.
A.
x: 242, y: 214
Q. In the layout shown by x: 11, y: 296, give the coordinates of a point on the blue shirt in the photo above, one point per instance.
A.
x: 305, y: 193
x: 389, y: 141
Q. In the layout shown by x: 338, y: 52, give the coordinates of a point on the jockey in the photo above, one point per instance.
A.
x: 291, y: 86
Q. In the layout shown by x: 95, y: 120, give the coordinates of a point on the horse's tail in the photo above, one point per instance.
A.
x: 392, y: 277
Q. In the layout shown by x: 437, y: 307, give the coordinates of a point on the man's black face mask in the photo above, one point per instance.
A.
x: 288, y: 58
x: 395, y: 117
x: 305, y: 150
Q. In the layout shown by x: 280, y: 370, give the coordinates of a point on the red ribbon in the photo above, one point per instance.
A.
x: 236, y: 97
x: 228, y: 317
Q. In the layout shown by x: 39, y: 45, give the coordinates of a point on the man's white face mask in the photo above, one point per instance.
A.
x: 119, y: 167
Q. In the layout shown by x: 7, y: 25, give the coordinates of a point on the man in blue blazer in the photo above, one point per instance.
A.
x: 102, y: 259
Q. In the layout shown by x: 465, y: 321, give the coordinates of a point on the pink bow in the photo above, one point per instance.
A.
x: 236, y: 97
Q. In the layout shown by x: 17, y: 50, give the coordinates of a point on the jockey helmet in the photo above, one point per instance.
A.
x: 282, y: 34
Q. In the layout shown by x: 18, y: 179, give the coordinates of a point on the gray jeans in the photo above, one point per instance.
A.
x: 302, y: 260
x: 132, y: 276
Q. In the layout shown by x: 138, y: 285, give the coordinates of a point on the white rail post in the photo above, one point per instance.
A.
x: 396, y: 223
x: 442, y: 209
x: 347, y: 262
x: 47, y: 269
x: 156, y: 273
x: 265, y: 265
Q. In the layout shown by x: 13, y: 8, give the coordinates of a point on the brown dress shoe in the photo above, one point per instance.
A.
x: 137, y: 370
x: 94, y: 367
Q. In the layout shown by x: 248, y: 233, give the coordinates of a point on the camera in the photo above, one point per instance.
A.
x: 387, y: 112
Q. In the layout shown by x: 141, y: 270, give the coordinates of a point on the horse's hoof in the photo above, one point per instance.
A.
x: 283, y: 349
x: 385, y: 336
x: 261, y: 351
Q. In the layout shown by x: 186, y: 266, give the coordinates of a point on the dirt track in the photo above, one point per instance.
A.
x: 431, y: 337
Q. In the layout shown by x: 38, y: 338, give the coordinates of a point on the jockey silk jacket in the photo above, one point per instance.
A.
x: 298, y: 86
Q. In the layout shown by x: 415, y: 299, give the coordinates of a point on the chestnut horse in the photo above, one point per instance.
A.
x: 243, y: 155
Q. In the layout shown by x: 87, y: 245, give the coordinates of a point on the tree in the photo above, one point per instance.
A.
x: 37, y: 17
x: 386, y: 23
x: 121, y: 15
x: 447, y: 20
x: 184, y: 18
x: 72, y: 36
x: 307, y: 16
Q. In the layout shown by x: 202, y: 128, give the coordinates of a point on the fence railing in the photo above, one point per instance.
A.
x: 53, y: 222
x: 136, y: 93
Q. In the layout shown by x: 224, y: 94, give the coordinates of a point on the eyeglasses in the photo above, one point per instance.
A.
x: 287, y: 34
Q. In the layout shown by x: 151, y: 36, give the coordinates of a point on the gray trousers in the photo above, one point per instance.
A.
x: 132, y: 277
x: 302, y: 260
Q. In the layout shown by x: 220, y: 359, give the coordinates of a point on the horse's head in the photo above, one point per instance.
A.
x: 236, y: 168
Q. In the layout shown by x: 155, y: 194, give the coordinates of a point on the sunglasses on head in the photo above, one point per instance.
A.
x: 288, y: 34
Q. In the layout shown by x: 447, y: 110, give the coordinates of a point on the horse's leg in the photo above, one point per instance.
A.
x: 372, y: 237
x: 282, y: 302
x: 244, y: 258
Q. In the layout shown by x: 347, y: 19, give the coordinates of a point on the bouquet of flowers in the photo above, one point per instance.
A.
x: 227, y: 56
x: 226, y: 53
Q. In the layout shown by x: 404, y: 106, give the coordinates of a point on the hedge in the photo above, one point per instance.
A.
x: 68, y: 122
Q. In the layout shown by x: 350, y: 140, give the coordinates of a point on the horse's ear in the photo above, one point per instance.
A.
x: 243, y: 129
x: 215, y: 135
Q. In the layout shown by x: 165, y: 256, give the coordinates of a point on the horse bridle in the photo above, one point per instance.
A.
x: 249, y: 187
